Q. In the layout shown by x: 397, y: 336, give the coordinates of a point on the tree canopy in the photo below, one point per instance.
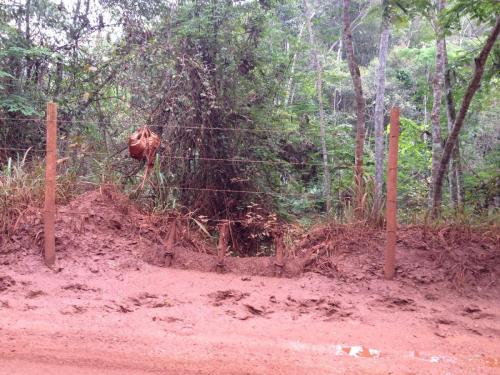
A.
x: 248, y: 125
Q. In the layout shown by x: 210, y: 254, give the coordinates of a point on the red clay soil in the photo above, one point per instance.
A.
x: 106, y: 308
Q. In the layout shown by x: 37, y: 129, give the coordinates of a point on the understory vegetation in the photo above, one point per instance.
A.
x: 255, y: 105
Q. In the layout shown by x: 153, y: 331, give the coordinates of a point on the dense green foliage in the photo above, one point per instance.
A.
x: 235, y: 80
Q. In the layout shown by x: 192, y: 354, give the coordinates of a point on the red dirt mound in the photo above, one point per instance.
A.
x: 105, y: 224
x: 466, y: 258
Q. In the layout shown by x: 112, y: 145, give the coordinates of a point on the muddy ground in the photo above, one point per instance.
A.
x: 109, y: 306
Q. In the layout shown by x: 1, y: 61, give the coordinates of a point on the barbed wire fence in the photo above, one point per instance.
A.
x: 84, y: 151
x: 50, y: 124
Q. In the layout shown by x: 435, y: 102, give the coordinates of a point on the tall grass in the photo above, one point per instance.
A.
x: 21, y: 190
x: 22, y: 184
x: 22, y: 194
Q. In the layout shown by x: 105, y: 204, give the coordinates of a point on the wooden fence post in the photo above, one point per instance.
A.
x: 50, y: 186
x: 222, y: 248
x: 279, y: 262
x: 392, y: 194
x: 171, y: 239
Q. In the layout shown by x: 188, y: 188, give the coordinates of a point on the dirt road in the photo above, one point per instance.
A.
x: 104, y: 310
x: 139, y: 319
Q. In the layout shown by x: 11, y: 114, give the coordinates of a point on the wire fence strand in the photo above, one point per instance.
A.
x: 239, y: 191
x: 233, y: 159
x: 283, y: 131
x: 196, y: 158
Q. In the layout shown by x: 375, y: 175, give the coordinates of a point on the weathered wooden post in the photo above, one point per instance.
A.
x: 49, y: 216
x: 222, y: 248
x: 392, y: 194
x: 279, y: 262
x: 169, y: 246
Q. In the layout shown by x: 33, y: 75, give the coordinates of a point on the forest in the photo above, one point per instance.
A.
x: 288, y: 99
x: 207, y: 186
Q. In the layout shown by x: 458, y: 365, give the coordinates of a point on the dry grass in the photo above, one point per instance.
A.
x: 21, y: 191
x: 463, y: 256
x: 22, y: 184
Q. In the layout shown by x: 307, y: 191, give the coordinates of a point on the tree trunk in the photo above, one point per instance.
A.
x: 379, y: 112
x: 288, y: 94
x: 453, y: 177
x: 28, y: 39
x: 319, y: 88
x: 28, y: 14
x: 58, y: 79
x: 437, y: 84
x: 474, y: 85
x: 360, y: 109
x: 460, y: 177
x: 339, y: 52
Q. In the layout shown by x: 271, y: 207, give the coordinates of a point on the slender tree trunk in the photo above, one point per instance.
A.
x: 288, y: 94
x: 451, y: 115
x: 379, y: 112
x: 319, y: 88
x: 437, y: 85
x: 74, y: 31
x: 58, y: 79
x: 360, y: 109
x: 28, y: 39
x: 456, y: 166
x: 28, y: 16
x: 339, y: 52
x: 459, y: 176
x: 474, y: 85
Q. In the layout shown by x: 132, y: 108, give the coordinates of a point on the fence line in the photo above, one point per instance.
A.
x: 187, y: 128
x: 257, y: 192
x: 50, y: 208
x: 255, y: 130
x: 230, y: 160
